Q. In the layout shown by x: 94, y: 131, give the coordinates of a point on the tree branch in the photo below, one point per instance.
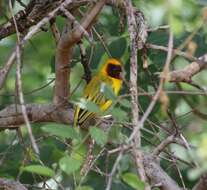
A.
x: 136, y: 141
x: 185, y: 74
x: 202, y: 183
x: 6, y: 184
x: 157, y: 175
x: 33, y: 13
x: 170, y: 139
x: 5, y: 70
x: 11, y: 117
x: 65, y: 49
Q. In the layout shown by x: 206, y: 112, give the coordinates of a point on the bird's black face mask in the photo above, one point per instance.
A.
x: 114, y: 71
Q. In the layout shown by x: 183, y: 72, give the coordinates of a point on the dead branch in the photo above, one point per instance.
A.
x: 185, y: 74
x: 33, y: 13
x: 174, y: 52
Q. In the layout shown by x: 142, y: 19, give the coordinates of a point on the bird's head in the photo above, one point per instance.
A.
x: 112, y: 68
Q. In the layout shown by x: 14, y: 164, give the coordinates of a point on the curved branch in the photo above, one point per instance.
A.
x: 157, y: 175
x: 185, y: 74
x: 65, y: 49
x: 5, y: 70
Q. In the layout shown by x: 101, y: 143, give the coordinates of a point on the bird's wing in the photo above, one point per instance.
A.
x: 93, y: 93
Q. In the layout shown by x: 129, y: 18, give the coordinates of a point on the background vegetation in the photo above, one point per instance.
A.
x: 182, y: 106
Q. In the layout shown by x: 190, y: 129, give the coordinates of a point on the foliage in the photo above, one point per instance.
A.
x: 63, y: 148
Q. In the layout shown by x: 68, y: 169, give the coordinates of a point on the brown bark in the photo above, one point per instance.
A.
x: 11, y: 116
x: 64, y: 53
x: 6, y: 184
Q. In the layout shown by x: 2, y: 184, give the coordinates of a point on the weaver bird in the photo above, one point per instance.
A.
x: 110, y: 74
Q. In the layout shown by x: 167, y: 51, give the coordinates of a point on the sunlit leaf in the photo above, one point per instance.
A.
x: 98, y: 135
x: 88, y: 105
x: 176, y: 25
x: 84, y: 188
x: 125, y: 103
x: 64, y: 131
x: 119, y: 45
x: 115, y: 135
x: 40, y: 170
x: 133, y: 181
x: 69, y: 165
x: 108, y: 92
x: 119, y: 114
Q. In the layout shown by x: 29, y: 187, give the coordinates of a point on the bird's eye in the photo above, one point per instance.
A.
x: 114, y: 70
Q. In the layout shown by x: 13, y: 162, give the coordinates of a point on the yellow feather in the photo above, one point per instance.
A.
x: 93, y: 92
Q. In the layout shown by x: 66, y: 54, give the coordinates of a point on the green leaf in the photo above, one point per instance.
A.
x: 115, y: 135
x: 60, y: 130
x: 98, y: 135
x: 133, y: 181
x: 119, y: 114
x: 84, y: 188
x: 108, y: 92
x: 125, y: 163
x: 52, y: 64
x: 38, y: 169
x: 125, y: 103
x: 69, y: 165
x: 98, y: 53
x: 88, y: 105
x: 176, y: 25
x: 119, y: 45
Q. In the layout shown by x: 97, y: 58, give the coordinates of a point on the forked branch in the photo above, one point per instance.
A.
x: 65, y: 50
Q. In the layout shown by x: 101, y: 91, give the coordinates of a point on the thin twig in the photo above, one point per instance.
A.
x: 180, y: 175
x: 174, y: 52
x: 85, y: 63
x: 163, y: 145
x: 54, y: 30
x: 136, y: 141
x: 76, y: 23
x: 156, y: 96
x: 5, y: 70
x: 19, y: 87
x: 118, y: 159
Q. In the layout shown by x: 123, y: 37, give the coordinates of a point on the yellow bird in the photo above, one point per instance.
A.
x: 110, y: 74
